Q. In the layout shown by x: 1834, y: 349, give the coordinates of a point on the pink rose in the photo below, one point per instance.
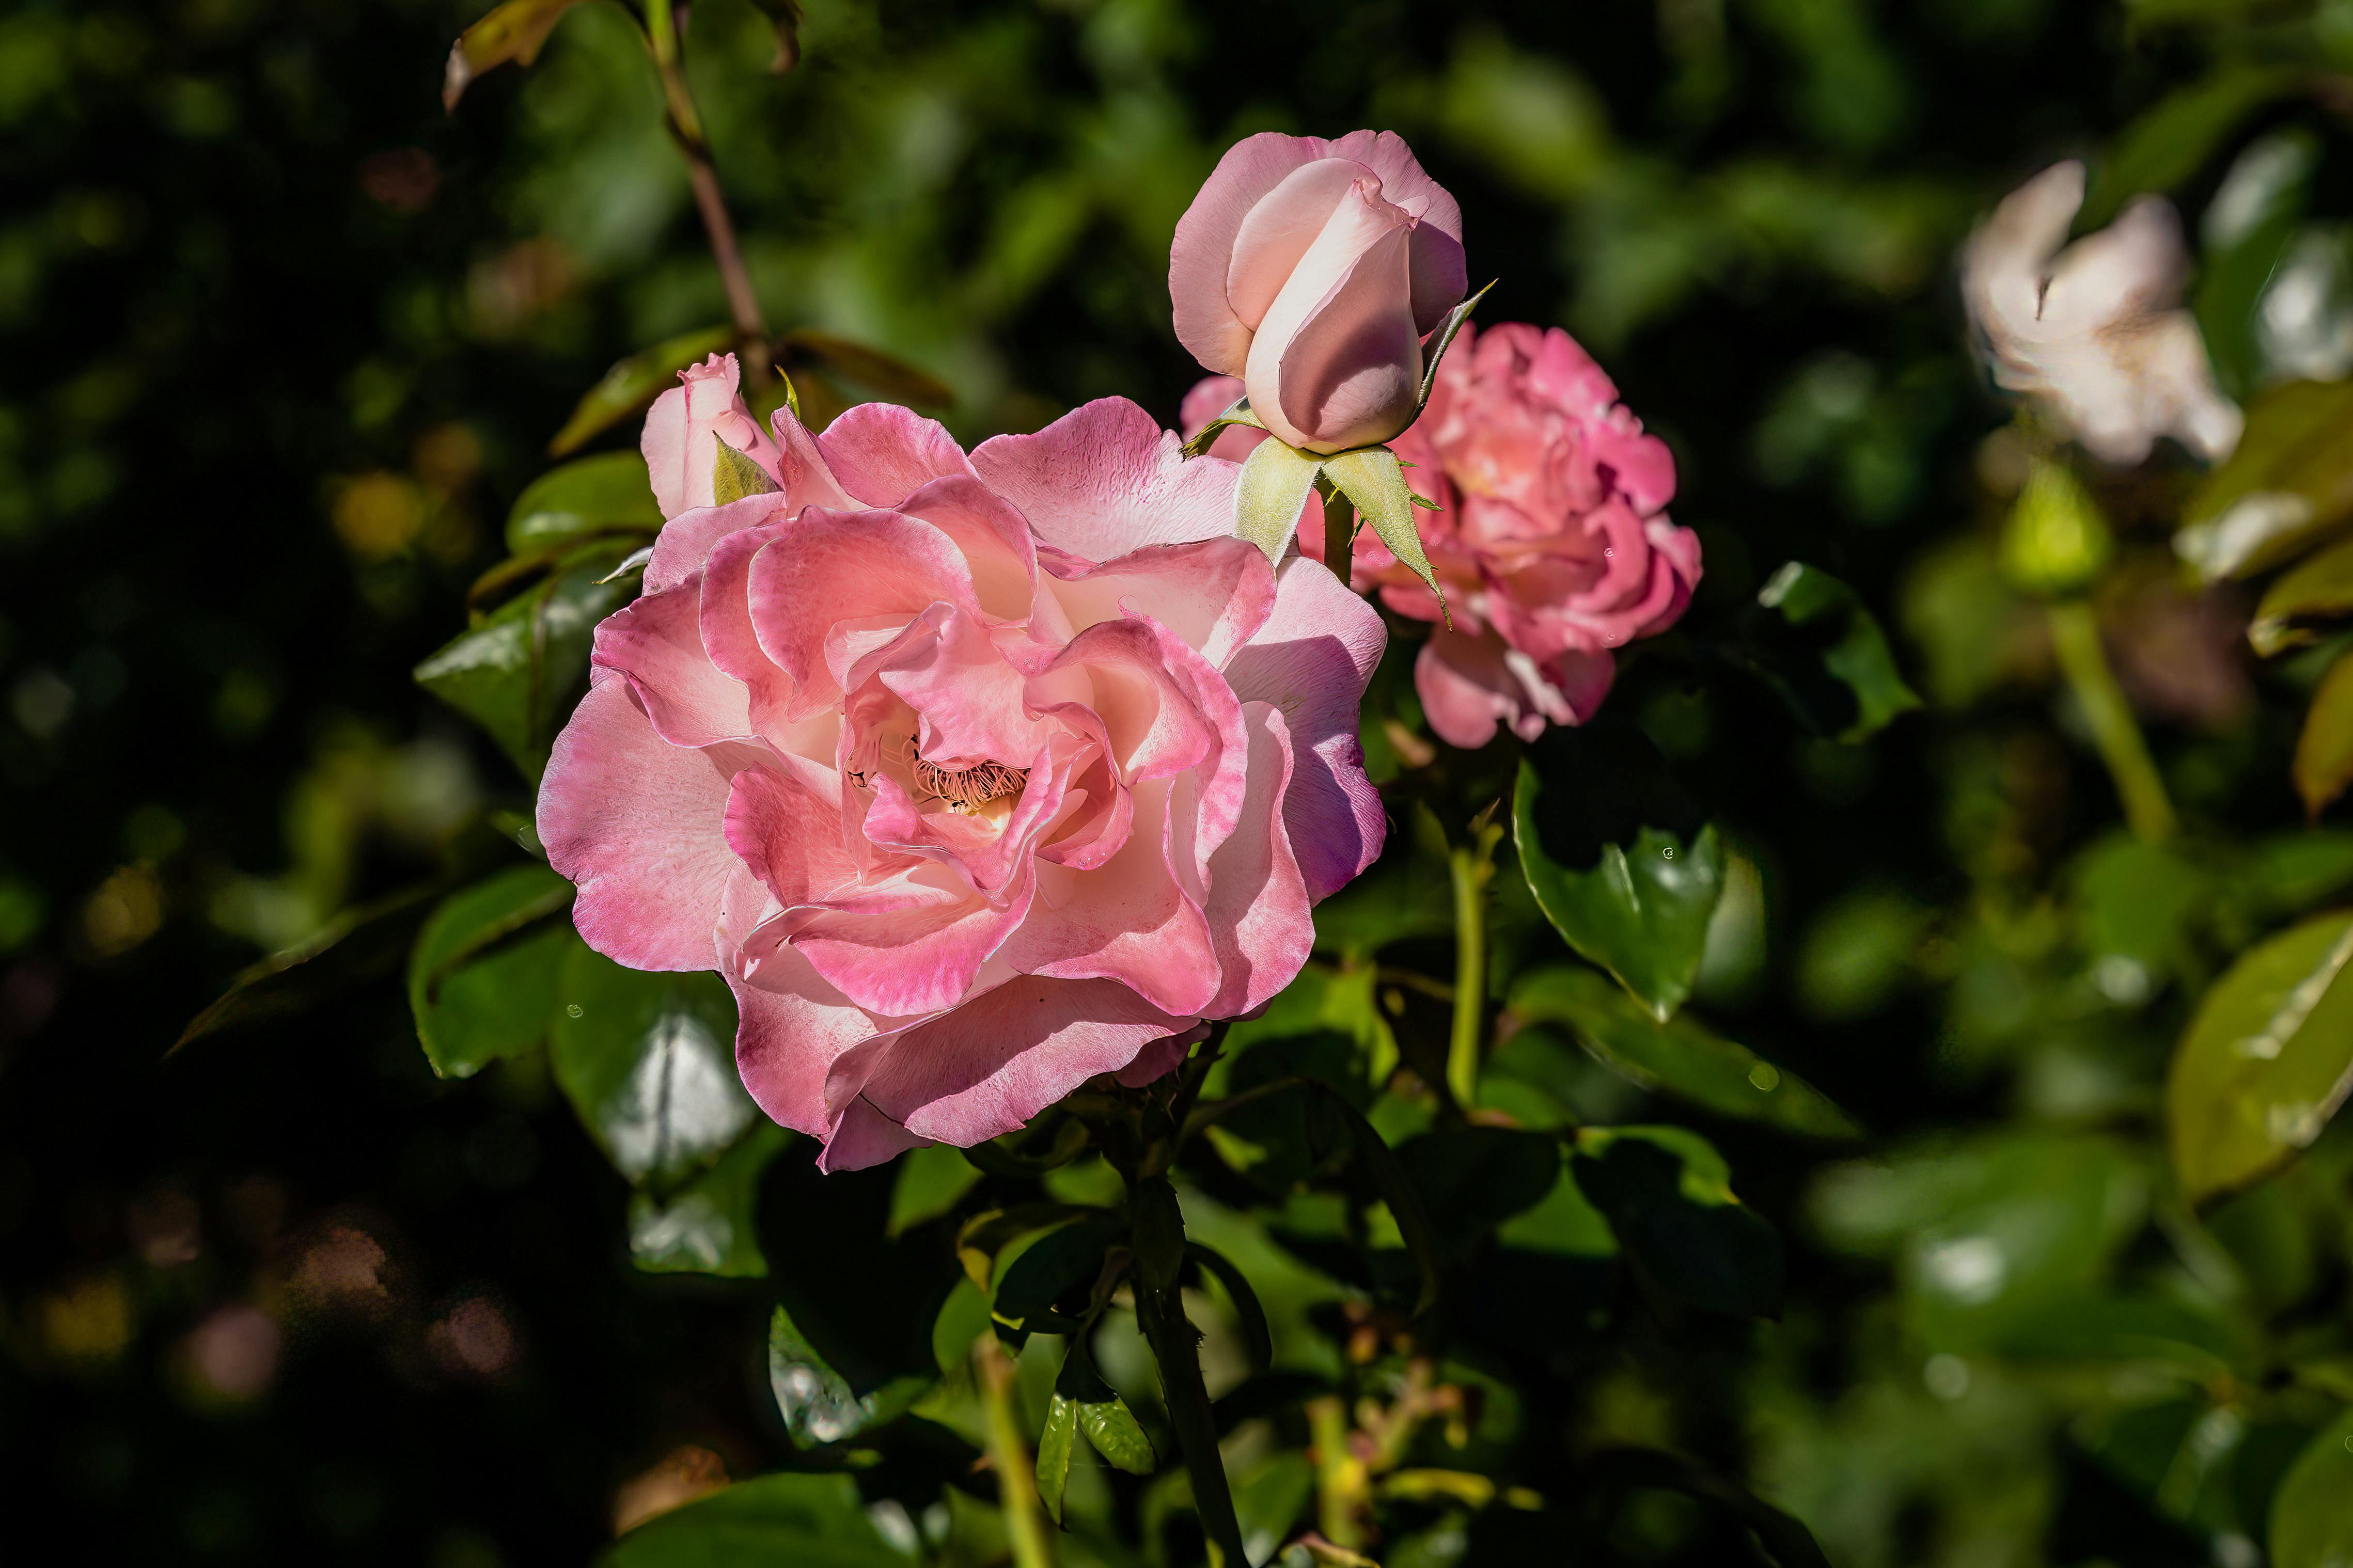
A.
x: 1313, y: 269
x: 976, y: 775
x: 1552, y: 541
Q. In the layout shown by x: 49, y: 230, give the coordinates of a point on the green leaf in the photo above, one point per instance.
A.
x: 481, y: 979
x: 1054, y: 1445
x: 2312, y: 1514
x: 633, y: 382
x: 1682, y: 1056
x: 2286, y: 484
x: 2241, y: 255
x: 1827, y: 624
x: 1473, y: 1179
x: 1668, y: 1196
x: 805, y: 1521
x: 649, y: 1062
x: 2170, y: 143
x: 1644, y: 917
x: 894, y: 378
x: 1064, y: 1263
x: 518, y: 673
x: 962, y: 1318
x: 1443, y: 341
x: 707, y: 1226
x: 514, y: 31
x: 734, y: 476
x: 1988, y: 1234
x: 1334, y: 1002
x: 2324, y: 751
x: 1275, y: 482
x: 1237, y: 413
x: 2319, y: 590
x: 2266, y: 1060
x: 930, y: 1182
x: 1258, y: 1341
x: 1565, y: 1225
x: 1408, y: 893
x: 817, y: 1404
x: 1372, y: 478
x: 608, y: 493
x: 1110, y: 1425
x: 358, y: 946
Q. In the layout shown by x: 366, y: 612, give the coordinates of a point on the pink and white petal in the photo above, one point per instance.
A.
x: 686, y: 542
x: 1441, y: 276
x: 920, y: 957
x: 835, y: 567
x: 881, y: 452
x: 808, y: 479
x: 1161, y: 1058
x: 1132, y: 922
x: 1105, y: 480
x: 780, y: 823
x: 987, y: 1067
x: 1203, y: 247
x: 682, y: 432
x: 1215, y: 593
x: 1340, y: 366
x: 1277, y: 232
x: 1258, y: 904
x: 637, y: 825
x: 1312, y: 660
x: 656, y: 644
x: 791, y: 1028
x: 725, y: 624
x: 994, y: 537
x: 1158, y: 717
x: 968, y: 700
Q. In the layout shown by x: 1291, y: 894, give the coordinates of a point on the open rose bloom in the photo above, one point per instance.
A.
x: 1551, y: 536
x: 976, y: 775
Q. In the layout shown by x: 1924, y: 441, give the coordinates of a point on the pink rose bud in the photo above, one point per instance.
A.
x: 1313, y: 271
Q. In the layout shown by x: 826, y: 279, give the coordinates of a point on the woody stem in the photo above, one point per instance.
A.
x: 685, y: 126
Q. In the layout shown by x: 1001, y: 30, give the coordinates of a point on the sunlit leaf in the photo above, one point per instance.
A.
x: 648, y: 1061
x: 707, y: 1226
x: 2287, y: 484
x: 2266, y: 1060
x: 1668, y: 1196
x: 2317, y: 591
x: 482, y: 979
x: 1055, y: 1442
x: 817, y: 1404
x: 514, y: 31
x: 807, y: 1520
x: 518, y: 673
x: 633, y: 382
x: 2324, y: 751
x: 734, y: 476
x: 1275, y: 482
x: 1680, y: 1055
x: 1641, y: 915
x: 962, y: 1318
x: 609, y: 493
x: 1111, y: 1427
x: 2312, y: 1514
x: 1372, y: 478
x: 2167, y: 146
x: 930, y: 1182
x: 1828, y: 634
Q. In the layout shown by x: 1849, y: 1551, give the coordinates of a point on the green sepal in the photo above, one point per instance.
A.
x: 1275, y: 483
x: 734, y: 476
x: 1370, y: 476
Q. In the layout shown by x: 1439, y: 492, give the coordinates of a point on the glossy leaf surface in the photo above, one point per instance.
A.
x: 635, y: 382
x: 2323, y: 748
x: 2286, y: 486
x: 2266, y: 1060
x: 482, y: 976
x: 1668, y: 1196
x: 809, y: 1520
x: 649, y: 1062
x: 609, y: 493
x: 708, y: 1226
x: 1682, y: 1056
x: 516, y: 31
x: 2312, y: 1516
x: 1642, y: 914
x: 818, y: 1406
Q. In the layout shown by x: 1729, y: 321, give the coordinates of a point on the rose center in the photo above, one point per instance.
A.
x: 968, y: 791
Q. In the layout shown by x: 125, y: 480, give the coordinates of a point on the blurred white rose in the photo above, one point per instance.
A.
x: 2095, y: 331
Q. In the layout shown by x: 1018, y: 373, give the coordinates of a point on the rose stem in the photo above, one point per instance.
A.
x: 1472, y: 866
x: 686, y: 130
x: 2075, y: 637
x: 1339, y: 532
x: 1008, y: 1455
x: 1340, y: 1480
x: 1159, y: 1226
